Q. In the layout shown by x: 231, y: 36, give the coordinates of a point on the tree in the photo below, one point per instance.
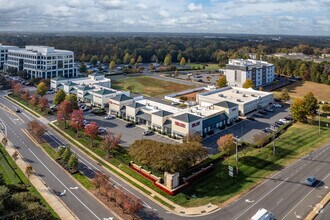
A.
x: 82, y: 68
x: 17, y: 88
x: 59, y: 97
x: 310, y: 103
x: 222, y: 81
x: 326, y: 108
x: 284, y: 96
x: 28, y: 171
x: 131, y: 204
x: 99, y: 180
x: 139, y: 59
x: 106, y: 59
x: 178, y: 58
x: 193, y: 137
x: 94, y: 60
x: 130, y: 88
x: 77, y: 120
x: 34, y: 100
x: 60, y: 152
x: 248, y: 84
x: 66, y: 154
x: 112, y: 65
x: 91, y: 131
x: 4, y: 141
x: 26, y: 95
x: 72, y: 98
x: 64, y: 111
x: 298, y: 110
x: 36, y: 129
x: 83, y: 58
x: 183, y: 61
x: 126, y: 58
x: 41, y: 89
x: 73, y: 162
x: 304, y: 71
x: 132, y: 61
x: 168, y: 60
x: 260, y: 139
x: 43, y: 103
x: 110, y: 143
x: 226, y: 143
x: 15, y: 155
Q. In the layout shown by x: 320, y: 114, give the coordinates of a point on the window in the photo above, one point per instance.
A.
x: 195, y: 124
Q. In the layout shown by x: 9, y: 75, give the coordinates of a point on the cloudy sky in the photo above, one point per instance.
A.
x: 302, y: 17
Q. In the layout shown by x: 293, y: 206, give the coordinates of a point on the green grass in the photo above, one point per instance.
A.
x: 11, y: 167
x: 81, y: 178
x: 149, y: 86
x: 209, y: 66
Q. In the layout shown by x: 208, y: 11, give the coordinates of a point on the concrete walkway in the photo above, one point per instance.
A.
x: 57, y: 205
x: 318, y: 207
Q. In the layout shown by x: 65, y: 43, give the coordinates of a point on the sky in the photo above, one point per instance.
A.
x: 287, y: 17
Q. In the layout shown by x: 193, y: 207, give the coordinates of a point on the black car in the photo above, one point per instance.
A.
x: 279, y: 123
x: 130, y: 124
x: 289, y: 118
x: 250, y: 118
x: 263, y: 112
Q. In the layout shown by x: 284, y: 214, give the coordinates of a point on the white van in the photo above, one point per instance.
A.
x: 263, y: 214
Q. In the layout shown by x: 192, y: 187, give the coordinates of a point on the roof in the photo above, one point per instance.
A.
x: 186, y: 117
x: 135, y: 105
x: 60, y: 86
x: 96, y: 74
x: 73, y: 91
x: 168, y: 124
x: 59, y: 78
x: 143, y: 115
x: 226, y: 104
x: 121, y: 97
x: 162, y: 113
x: 84, y: 88
x: 70, y: 83
x: 88, y: 96
x: 104, y: 92
x: 215, y: 119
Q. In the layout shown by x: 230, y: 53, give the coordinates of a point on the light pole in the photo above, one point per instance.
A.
x: 274, y: 143
x: 319, y: 122
x: 236, y: 157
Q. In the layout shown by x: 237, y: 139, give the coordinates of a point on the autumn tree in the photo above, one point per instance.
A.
x: 183, y: 61
x: 15, y: 155
x: 222, y: 81
x: 298, y: 110
x: 72, y: 98
x: 110, y: 143
x: 131, y: 204
x: 34, y: 100
x: 26, y: 95
x: 77, y: 120
x: 43, y: 103
x: 36, y: 129
x: 168, y: 60
x: 17, y: 88
x: 326, y: 108
x: 112, y: 65
x: 94, y: 60
x: 99, y: 180
x: 64, y: 112
x: 28, y: 171
x: 126, y: 58
x: 139, y: 59
x: 59, y: 97
x: 41, y: 89
x: 83, y: 58
x: 193, y: 137
x: 248, y: 84
x: 4, y: 141
x: 260, y: 139
x: 106, y: 59
x: 310, y: 103
x: 132, y: 61
x: 284, y: 96
x: 226, y: 143
x: 91, y: 131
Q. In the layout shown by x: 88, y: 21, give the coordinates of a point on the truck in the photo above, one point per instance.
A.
x: 263, y: 214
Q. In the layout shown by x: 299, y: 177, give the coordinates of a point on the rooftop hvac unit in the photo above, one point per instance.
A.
x: 238, y: 100
x: 220, y: 95
x: 155, y: 107
x: 243, y: 95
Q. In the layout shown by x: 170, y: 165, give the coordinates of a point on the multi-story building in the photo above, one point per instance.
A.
x: 42, y: 61
x: 4, y: 53
x: 259, y: 72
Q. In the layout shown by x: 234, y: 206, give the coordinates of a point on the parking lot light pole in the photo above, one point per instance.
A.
x: 236, y: 155
x: 274, y: 143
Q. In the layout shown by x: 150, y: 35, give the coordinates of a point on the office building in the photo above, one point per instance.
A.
x: 4, y: 53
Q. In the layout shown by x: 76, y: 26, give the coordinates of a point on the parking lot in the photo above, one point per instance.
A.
x: 129, y: 135
x: 245, y: 129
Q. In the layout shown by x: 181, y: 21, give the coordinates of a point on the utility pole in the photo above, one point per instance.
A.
x: 274, y: 143
x: 319, y: 122
x: 236, y: 155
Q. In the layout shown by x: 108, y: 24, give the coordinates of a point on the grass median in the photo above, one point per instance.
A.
x: 25, y: 105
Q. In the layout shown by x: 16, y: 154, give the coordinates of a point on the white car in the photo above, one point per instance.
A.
x: 284, y: 121
x: 109, y: 117
x: 277, y: 105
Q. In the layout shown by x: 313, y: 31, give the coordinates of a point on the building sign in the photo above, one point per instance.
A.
x: 180, y: 124
x: 195, y: 124
x: 231, y: 171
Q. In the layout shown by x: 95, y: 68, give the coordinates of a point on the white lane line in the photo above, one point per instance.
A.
x: 306, y: 196
x: 279, y: 201
x: 28, y: 117
x: 261, y: 198
x: 65, y: 186
x: 12, y: 120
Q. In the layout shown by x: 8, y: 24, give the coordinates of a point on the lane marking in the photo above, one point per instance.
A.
x: 306, y: 196
x: 64, y: 185
x: 13, y: 121
x: 261, y: 198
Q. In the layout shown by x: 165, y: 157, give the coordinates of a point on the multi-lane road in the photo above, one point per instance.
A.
x: 284, y: 193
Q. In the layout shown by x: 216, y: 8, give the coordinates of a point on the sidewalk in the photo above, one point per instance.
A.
x: 57, y: 205
x: 318, y: 207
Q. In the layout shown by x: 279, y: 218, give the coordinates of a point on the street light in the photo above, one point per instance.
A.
x: 319, y: 122
x: 236, y: 157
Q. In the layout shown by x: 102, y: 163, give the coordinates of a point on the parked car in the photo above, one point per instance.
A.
x: 263, y: 214
x: 98, y: 111
x: 258, y: 115
x: 53, y: 107
x: 250, y: 118
x: 129, y: 124
x: 288, y: 118
x: 267, y: 130
x: 284, y: 121
x: 263, y: 112
x: 279, y: 123
x: 86, y: 122
x: 269, y: 109
x: 50, y: 92
x: 147, y: 132
x: 310, y: 181
x: 109, y: 117
x: 276, y: 105
x: 102, y: 130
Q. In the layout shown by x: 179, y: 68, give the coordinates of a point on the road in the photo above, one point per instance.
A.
x: 283, y: 193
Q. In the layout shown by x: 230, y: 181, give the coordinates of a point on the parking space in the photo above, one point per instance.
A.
x: 245, y: 129
x: 129, y: 135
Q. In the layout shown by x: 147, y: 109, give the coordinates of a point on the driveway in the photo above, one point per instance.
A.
x: 129, y: 135
x: 245, y: 129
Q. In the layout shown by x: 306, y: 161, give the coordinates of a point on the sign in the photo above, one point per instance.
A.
x: 230, y: 168
x: 231, y: 173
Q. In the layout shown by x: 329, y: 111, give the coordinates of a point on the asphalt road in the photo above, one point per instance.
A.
x: 283, y: 193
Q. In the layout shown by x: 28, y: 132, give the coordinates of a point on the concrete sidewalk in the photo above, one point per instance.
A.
x: 57, y: 205
x: 318, y: 207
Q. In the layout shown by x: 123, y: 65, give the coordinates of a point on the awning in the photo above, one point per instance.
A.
x: 168, y: 124
x: 60, y: 86
x: 143, y: 116
x: 88, y: 96
x: 73, y: 91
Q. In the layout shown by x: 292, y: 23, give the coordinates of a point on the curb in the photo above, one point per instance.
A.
x: 318, y: 207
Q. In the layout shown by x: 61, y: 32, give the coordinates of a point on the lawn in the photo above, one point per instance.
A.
x: 255, y: 165
x: 208, y: 66
x: 301, y: 88
x: 149, y: 86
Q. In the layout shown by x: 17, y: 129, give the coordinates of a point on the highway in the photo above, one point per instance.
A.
x: 284, y: 193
